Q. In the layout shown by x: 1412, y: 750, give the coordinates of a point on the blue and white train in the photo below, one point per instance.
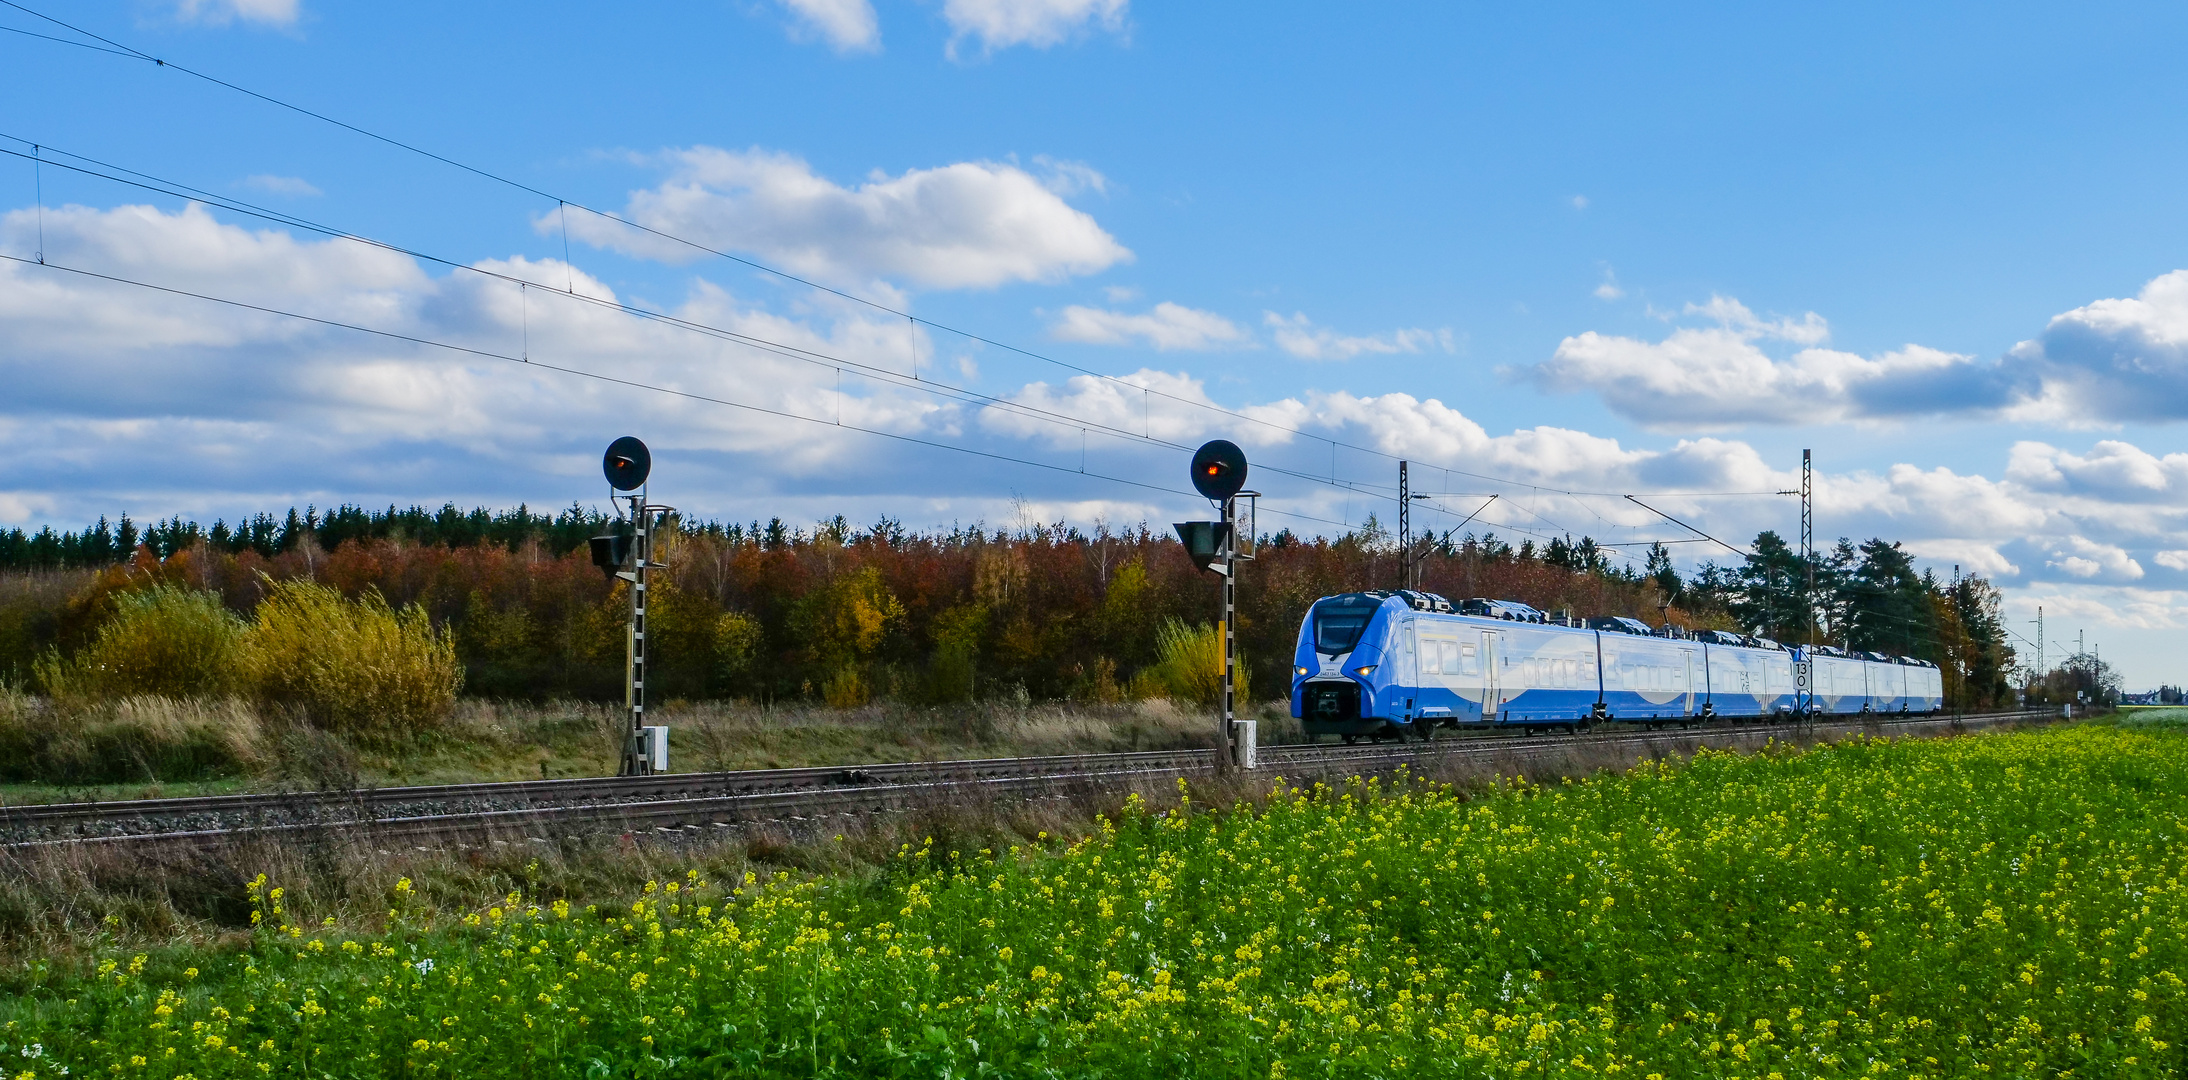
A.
x: 1378, y: 664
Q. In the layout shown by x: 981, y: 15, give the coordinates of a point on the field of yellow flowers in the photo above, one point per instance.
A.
x: 1999, y: 905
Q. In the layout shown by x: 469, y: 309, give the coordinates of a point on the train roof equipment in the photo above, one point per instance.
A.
x: 1509, y: 610
x: 1619, y: 624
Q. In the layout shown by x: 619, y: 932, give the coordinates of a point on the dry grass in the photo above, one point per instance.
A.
x: 153, y: 747
x: 129, y: 740
x: 59, y: 906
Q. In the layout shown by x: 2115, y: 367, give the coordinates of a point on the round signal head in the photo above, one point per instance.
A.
x: 1219, y: 469
x: 627, y: 463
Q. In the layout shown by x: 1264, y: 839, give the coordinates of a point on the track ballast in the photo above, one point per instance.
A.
x: 682, y: 803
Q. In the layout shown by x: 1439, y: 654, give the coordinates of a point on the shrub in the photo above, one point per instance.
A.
x: 953, y: 671
x: 846, y: 689
x: 736, y: 648
x: 1189, y: 668
x: 353, y: 666
x: 845, y: 620
x: 165, y: 640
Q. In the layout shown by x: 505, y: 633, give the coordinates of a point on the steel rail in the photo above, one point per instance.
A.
x: 577, y: 791
x: 718, y: 800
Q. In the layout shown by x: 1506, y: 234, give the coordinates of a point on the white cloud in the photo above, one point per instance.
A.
x: 2172, y: 560
x: 2085, y: 558
x: 1720, y: 375
x: 967, y: 225
x: 1580, y: 202
x: 846, y: 25
x: 1609, y: 289
x: 223, y: 12
x: 1165, y: 327
x: 1000, y: 24
x: 22, y: 507
x: 2071, y: 605
x: 2113, y: 471
x: 167, y: 392
x: 1299, y: 336
x: 1735, y: 316
x: 292, y: 186
x: 2113, y: 361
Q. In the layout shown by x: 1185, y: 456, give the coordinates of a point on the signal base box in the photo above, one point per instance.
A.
x: 1244, y: 733
x: 653, y: 747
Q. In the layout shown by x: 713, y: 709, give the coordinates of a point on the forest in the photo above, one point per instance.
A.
x: 846, y: 614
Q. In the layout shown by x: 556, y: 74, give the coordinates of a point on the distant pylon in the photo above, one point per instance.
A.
x: 1405, y: 529
x: 1808, y: 543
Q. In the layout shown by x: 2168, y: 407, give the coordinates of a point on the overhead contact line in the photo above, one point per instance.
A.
x: 615, y: 380
x: 563, y: 204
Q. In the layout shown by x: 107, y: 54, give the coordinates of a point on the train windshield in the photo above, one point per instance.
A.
x: 1337, y: 627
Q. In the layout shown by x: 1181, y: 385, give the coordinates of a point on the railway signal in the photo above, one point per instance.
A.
x: 627, y: 553
x: 1219, y: 474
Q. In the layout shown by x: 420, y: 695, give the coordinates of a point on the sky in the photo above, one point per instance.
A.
x: 1006, y: 261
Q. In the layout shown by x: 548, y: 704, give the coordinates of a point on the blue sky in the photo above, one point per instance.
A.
x: 1591, y: 249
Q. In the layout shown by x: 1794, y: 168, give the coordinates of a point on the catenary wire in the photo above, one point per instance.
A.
x: 563, y: 203
x: 611, y: 379
x: 65, y: 41
x: 135, y: 53
x: 149, y: 182
x: 780, y: 348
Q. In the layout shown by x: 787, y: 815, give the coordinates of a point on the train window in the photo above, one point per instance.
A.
x: 1339, y: 631
x: 1469, y: 664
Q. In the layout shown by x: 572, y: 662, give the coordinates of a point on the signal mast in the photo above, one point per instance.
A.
x: 629, y: 555
x: 1219, y: 474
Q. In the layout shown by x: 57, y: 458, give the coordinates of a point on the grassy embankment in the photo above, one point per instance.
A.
x: 2002, y: 904
x: 154, y: 747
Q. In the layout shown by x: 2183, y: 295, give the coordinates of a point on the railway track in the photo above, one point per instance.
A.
x: 695, y: 803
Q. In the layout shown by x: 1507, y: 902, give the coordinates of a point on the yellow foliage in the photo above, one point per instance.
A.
x: 165, y: 640
x: 1190, y: 667
x: 352, y: 665
x: 844, y: 621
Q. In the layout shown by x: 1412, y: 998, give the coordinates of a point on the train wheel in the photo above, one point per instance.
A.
x: 1350, y: 739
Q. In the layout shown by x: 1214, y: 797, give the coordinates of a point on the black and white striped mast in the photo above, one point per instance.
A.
x: 627, y: 464
x: 636, y: 762
x: 1405, y: 528
x: 1808, y: 564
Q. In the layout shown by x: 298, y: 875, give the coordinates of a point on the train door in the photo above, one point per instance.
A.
x: 1691, y: 666
x: 1492, y: 653
x: 1408, y: 671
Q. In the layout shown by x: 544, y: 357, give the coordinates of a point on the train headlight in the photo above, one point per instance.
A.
x: 1365, y: 670
x: 1299, y: 670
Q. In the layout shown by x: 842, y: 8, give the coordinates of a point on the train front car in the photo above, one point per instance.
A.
x: 1404, y: 663
x: 1339, y: 669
